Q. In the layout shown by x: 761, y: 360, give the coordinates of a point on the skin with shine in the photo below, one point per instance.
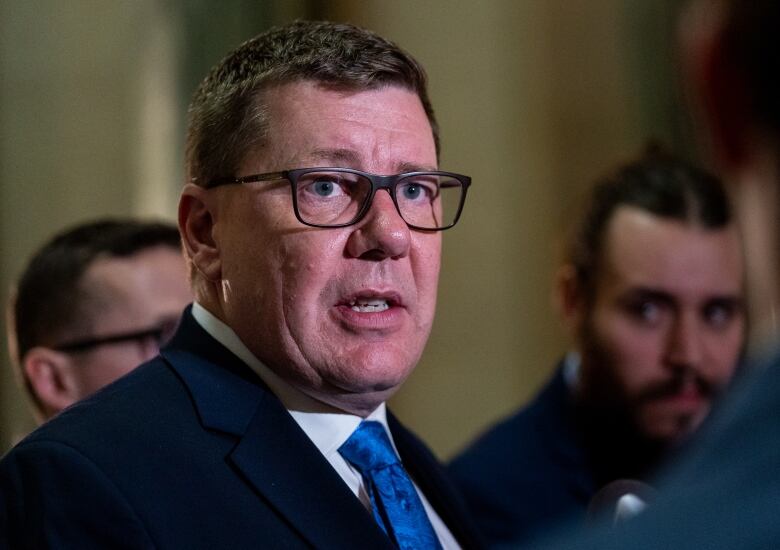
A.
x: 342, y: 314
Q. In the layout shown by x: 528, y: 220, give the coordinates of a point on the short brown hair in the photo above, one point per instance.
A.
x: 227, y: 117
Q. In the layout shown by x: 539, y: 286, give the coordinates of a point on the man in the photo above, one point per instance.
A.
x: 652, y: 293
x: 726, y: 492
x: 93, y: 303
x: 263, y: 422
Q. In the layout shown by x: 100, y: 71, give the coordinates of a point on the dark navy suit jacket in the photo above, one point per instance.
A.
x: 192, y: 450
x: 529, y: 471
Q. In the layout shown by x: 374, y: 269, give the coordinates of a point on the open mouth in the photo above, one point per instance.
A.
x: 374, y: 311
x: 369, y: 305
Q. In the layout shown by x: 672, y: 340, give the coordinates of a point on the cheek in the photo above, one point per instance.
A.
x: 250, y: 286
x: 247, y: 281
x: 307, y: 269
x: 249, y: 240
x: 635, y: 352
x: 724, y: 350
x: 426, y: 263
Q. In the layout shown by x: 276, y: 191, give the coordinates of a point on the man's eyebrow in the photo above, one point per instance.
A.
x: 348, y: 158
x: 729, y: 300
x: 412, y: 167
x: 345, y: 157
x: 648, y: 293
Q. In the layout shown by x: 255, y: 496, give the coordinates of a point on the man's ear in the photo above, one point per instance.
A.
x: 569, y: 298
x: 50, y: 376
x: 196, y: 225
x: 717, y: 85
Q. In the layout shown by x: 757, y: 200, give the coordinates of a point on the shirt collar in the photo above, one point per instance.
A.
x: 327, y: 428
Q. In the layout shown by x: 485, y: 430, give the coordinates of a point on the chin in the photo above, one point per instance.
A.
x: 372, y: 381
x: 368, y: 373
x: 378, y: 379
x: 671, y: 430
x: 379, y: 365
x: 360, y: 400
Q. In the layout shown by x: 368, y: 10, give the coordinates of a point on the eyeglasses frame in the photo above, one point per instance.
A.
x: 157, y: 332
x: 377, y: 182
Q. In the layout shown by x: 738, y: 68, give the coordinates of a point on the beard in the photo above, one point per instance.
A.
x: 612, y: 418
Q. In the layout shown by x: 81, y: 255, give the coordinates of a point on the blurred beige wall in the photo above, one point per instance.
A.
x: 535, y: 98
x: 87, y: 128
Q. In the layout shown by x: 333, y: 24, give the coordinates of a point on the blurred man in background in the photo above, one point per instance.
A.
x: 92, y: 304
x: 725, y: 492
x: 651, y: 292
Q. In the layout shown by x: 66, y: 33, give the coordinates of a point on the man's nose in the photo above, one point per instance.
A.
x: 684, y: 345
x: 382, y: 233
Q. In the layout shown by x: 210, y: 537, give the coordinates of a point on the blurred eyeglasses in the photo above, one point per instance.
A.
x: 160, y: 334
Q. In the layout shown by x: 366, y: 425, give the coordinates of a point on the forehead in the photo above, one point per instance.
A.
x: 646, y: 251
x: 149, y: 278
x: 384, y: 130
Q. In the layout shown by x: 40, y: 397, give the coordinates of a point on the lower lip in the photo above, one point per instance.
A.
x: 388, y: 320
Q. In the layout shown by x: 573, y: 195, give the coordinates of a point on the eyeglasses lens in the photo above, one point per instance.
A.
x: 429, y: 201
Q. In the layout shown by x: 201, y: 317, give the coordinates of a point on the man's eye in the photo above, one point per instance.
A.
x: 415, y: 191
x: 718, y: 315
x: 412, y: 191
x: 649, y: 312
x: 325, y: 188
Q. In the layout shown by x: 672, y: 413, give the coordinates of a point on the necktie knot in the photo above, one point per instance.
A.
x: 369, y: 448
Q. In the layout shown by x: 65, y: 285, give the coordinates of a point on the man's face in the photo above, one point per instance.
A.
x: 666, y: 325
x: 342, y: 314
x: 127, y: 295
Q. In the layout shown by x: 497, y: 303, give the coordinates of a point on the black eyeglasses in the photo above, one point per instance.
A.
x: 159, y: 334
x: 338, y: 197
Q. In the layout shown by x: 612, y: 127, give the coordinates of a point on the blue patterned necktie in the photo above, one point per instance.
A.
x: 396, y: 505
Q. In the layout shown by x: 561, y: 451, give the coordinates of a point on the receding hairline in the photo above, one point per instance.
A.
x: 690, y: 222
x: 68, y: 256
x: 657, y: 183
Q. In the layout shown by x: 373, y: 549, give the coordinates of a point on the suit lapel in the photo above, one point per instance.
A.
x: 273, y: 454
x: 285, y: 467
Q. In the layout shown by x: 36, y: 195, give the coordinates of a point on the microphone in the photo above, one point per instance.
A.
x: 628, y: 506
x: 619, y: 501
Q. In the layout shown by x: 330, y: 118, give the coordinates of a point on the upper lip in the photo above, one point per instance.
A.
x: 685, y: 390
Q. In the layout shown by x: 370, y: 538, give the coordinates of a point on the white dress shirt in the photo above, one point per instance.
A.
x: 327, y: 429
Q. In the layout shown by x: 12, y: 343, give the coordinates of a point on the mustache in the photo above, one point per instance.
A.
x: 677, y: 382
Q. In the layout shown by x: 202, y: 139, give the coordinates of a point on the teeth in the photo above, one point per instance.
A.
x: 366, y: 305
